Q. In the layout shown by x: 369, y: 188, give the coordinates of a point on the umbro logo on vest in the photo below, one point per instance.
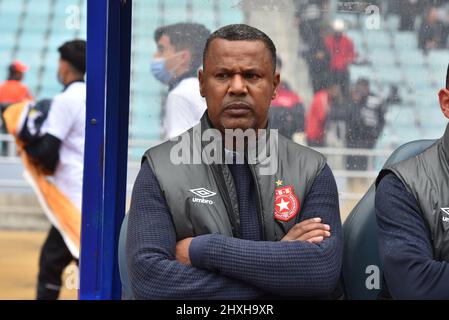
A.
x: 203, y: 193
x: 446, y: 216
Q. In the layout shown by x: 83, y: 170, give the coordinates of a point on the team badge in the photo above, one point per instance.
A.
x: 286, y: 203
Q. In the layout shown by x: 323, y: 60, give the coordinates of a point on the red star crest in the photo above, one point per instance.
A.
x: 286, y: 203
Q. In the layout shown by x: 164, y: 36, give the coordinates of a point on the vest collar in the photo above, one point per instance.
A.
x: 262, y: 156
x: 446, y: 143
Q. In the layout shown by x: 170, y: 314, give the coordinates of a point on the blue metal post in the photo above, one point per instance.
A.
x: 106, y: 146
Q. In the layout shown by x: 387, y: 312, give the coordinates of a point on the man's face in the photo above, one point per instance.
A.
x: 363, y: 88
x: 63, y: 70
x: 238, y: 83
x: 334, y: 90
x: 174, y: 59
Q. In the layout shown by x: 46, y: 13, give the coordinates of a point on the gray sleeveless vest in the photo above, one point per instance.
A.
x: 426, y: 177
x: 202, y: 197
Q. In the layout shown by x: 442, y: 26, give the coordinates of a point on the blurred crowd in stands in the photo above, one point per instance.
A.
x: 429, y: 18
x: 344, y: 114
x: 340, y: 115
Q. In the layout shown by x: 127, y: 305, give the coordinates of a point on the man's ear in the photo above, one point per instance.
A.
x: 444, y: 101
x: 187, y: 56
x: 276, y: 82
x: 201, y: 81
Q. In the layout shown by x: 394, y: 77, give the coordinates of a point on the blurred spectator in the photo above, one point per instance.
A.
x: 336, y: 120
x: 310, y: 17
x: 13, y: 90
x: 318, y: 59
x: 365, y: 122
x: 443, y: 16
x: 431, y: 31
x: 317, y: 114
x: 408, y: 10
x: 176, y: 63
x: 342, y: 54
x: 287, y: 109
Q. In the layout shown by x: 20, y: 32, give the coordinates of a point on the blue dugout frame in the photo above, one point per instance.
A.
x: 106, y: 146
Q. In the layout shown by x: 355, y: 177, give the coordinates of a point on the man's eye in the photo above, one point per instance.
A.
x: 222, y: 76
x: 251, y: 76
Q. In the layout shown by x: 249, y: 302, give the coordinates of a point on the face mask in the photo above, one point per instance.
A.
x: 60, y: 80
x: 158, y: 68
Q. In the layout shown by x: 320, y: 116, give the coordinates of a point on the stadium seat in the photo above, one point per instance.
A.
x: 203, y: 12
x: 438, y: 60
x: 8, y: 41
x: 387, y: 74
x: 406, y: 40
x: 382, y: 57
x: 9, y: 23
x: 38, y: 8
x: 127, y: 293
x: 412, y: 58
x: 230, y: 12
x: 12, y: 7
x: 357, y: 72
x: 392, y: 22
x: 361, y: 249
x: 379, y: 40
x: 32, y: 41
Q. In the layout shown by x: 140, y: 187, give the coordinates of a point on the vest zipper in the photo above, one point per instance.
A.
x: 258, y: 202
x: 221, y: 183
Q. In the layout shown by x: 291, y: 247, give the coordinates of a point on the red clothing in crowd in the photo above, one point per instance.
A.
x: 342, y: 52
x: 12, y: 91
x: 285, y: 98
x: 316, y: 117
x: 287, y: 112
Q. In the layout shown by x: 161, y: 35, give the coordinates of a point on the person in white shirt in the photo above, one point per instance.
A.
x: 60, y: 151
x: 176, y: 62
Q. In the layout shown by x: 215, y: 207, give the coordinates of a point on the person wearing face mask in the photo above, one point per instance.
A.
x: 176, y: 62
x: 412, y: 210
x: 59, y: 151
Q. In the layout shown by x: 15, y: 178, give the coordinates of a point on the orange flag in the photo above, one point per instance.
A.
x: 61, y: 212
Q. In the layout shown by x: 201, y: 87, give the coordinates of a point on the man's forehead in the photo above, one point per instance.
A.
x: 224, y: 51
x: 230, y: 46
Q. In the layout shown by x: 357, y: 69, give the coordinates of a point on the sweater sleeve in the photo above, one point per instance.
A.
x: 405, y: 247
x: 294, y: 269
x: 151, y: 246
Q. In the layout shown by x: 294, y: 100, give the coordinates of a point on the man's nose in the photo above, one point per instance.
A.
x: 237, y: 85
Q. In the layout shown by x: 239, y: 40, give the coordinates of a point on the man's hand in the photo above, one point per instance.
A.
x: 311, y: 230
x: 182, y: 251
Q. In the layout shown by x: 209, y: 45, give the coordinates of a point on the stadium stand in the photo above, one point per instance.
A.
x: 31, y: 31
x: 393, y: 58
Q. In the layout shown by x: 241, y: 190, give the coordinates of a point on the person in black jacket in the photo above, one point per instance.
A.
x: 365, y: 122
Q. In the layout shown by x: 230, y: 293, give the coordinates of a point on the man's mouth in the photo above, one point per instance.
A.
x: 237, y: 108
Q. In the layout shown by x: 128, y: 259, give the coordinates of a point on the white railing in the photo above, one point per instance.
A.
x: 342, y: 176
